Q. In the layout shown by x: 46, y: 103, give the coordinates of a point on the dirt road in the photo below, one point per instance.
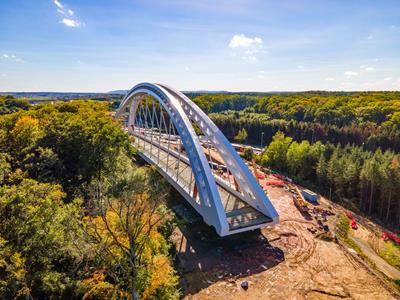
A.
x: 381, y: 264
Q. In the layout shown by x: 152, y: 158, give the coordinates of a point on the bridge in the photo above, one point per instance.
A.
x: 172, y: 133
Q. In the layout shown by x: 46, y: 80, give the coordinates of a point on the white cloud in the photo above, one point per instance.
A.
x: 242, y: 41
x: 61, y: 11
x: 350, y: 73
x: 187, y: 69
x: 68, y: 18
x: 367, y: 68
x: 248, y: 47
x: 70, y: 22
x: 388, y: 78
x: 11, y: 57
x: 58, y: 4
x: 300, y: 67
x: 330, y: 79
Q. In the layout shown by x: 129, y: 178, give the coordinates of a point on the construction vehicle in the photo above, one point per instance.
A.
x: 353, y: 220
x: 299, y: 200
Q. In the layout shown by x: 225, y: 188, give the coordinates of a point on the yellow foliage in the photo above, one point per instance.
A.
x: 100, y: 291
x: 97, y: 276
x: 24, y: 124
x: 97, y: 288
x: 18, y: 266
x: 25, y: 132
x: 162, y: 273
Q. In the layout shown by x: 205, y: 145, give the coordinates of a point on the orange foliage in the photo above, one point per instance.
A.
x: 162, y: 273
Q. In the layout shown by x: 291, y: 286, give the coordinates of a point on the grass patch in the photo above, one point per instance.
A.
x: 342, y: 232
x: 342, y: 227
x: 390, y: 252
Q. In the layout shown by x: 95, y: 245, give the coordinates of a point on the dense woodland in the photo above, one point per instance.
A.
x: 79, y: 219
x: 368, y: 119
x: 346, y: 145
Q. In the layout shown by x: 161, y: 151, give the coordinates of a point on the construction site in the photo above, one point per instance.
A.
x: 300, y: 258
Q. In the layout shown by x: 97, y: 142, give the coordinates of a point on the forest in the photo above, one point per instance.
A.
x: 367, y: 119
x: 344, y: 144
x: 80, y: 219
x: 363, y: 181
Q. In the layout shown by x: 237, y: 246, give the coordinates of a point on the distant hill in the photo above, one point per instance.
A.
x: 118, y: 92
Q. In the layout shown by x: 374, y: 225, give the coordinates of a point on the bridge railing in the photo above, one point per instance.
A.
x: 169, y: 166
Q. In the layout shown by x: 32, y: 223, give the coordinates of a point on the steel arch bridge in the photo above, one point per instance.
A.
x: 177, y: 137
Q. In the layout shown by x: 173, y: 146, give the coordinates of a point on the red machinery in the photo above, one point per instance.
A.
x: 354, y: 224
x: 388, y: 236
x: 261, y: 176
x: 275, y: 182
x: 353, y: 220
x: 281, y: 177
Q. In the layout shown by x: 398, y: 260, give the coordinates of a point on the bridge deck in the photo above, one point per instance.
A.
x: 238, y: 213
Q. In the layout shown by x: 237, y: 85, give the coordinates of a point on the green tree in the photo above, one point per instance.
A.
x: 275, y: 155
x: 368, y: 175
x: 321, y: 170
x: 241, y: 135
x: 248, y: 153
x: 298, y: 161
x: 40, y: 233
x: 5, y: 167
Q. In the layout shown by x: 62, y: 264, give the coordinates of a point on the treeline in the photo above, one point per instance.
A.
x: 262, y: 128
x: 79, y: 220
x: 365, y: 180
x: 212, y: 103
x: 10, y: 104
x: 368, y: 119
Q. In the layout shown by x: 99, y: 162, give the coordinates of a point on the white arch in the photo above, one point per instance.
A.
x: 182, y: 111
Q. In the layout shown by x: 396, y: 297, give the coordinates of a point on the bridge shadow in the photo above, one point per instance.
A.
x: 203, y: 258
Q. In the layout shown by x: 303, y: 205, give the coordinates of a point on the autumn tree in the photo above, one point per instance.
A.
x: 59, y: 163
x: 131, y: 209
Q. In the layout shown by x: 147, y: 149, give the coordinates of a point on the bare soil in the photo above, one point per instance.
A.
x: 286, y: 261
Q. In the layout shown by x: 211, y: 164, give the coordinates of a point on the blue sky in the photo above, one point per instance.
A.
x: 236, y: 45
